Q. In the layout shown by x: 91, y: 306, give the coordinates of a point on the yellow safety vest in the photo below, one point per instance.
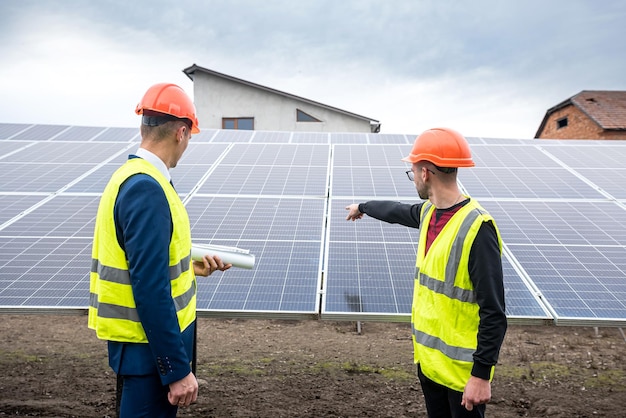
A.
x: 112, y: 311
x: 444, y: 315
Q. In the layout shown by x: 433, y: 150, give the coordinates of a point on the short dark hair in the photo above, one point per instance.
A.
x: 446, y: 170
x: 153, y: 118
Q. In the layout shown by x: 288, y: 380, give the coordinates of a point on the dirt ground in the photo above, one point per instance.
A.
x: 53, y: 366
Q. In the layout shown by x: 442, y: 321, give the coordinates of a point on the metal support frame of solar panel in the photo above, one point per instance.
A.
x: 571, y: 216
x: 269, y: 198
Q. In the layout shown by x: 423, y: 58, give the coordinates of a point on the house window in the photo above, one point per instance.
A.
x: 561, y: 123
x: 305, y: 117
x: 238, y: 123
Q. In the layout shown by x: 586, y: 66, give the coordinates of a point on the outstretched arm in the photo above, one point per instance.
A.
x: 387, y: 211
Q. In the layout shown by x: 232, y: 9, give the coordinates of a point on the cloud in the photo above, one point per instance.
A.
x: 488, y: 68
x: 71, y: 71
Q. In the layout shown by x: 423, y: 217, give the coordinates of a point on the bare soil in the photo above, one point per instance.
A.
x: 53, y: 366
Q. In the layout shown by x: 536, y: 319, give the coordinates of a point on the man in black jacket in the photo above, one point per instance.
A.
x: 458, y: 314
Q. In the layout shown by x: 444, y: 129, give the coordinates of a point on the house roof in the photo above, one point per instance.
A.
x: 607, y: 108
x: 190, y: 71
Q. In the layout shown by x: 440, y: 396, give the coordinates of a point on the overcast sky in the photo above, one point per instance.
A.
x: 487, y: 68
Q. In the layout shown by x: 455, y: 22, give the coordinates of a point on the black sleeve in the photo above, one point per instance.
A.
x: 485, y: 269
x: 393, y: 212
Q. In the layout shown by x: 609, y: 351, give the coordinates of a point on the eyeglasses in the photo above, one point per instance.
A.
x: 411, y: 176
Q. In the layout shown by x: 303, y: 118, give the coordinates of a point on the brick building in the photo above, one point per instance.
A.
x: 590, y: 114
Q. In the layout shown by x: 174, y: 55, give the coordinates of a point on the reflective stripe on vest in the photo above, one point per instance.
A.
x: 108, y: 310
x: 455, y: 353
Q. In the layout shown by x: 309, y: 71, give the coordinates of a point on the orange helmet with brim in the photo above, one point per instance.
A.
x: 169, y: 99
x: 443, y: 147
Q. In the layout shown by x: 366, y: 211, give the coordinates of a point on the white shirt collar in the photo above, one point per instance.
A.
x: 155, y: 161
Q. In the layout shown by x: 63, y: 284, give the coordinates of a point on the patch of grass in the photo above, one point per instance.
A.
x: 258, y: 369
x: 613, y: 379
x: 18, y: 357
x: 542, y: 371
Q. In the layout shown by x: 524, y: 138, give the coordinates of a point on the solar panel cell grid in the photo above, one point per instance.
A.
x: 7, y: 148
x: 9, y: 130
x: 79, y: 133
x: 523, y: 183
x: 117, y: 135
x: 590, y: 156
x: 40, y: 132
x: 62, y: 216
x: 44, y: 272
x: 13, y: 205
x: 310, y: 138
x: 528, y: 157
x: 566, y: 223
x: 275, y: 137
x: 569, y: 299
x: 267, y: 180
x: 35, y: 178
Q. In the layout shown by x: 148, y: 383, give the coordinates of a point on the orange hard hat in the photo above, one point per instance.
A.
x: 443, y: 147
x: 171, y: 100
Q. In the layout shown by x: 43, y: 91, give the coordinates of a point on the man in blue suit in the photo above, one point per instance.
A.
x: 143, y: 281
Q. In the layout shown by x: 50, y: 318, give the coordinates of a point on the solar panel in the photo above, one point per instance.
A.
x: 272, y: 137
x: 559, y: 205
x: 60, y: 216
x: 9, y: 130
x: 13, y: 205
x: 117, y: 135
x: 594, y: 155
x: 40, y: 132
x: 285, y: 234
x: 277, y: 154
x: 582, y: 284
x: 559, y: 222
x: 43, y: 177
x: 232, y: 136
x: 523, y: 304
x: 373, y: 171
x: 79, y: 133
x: 348, y: 138
x: 66, y: 152
x: 527, y: 156
x: 370, y: 267
x: 44, y: 272
x: 525, y: 183
x: 310, y: 138
x: 7, y: 148
x: 389, y: 139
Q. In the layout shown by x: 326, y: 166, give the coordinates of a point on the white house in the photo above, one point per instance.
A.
x: 226, y: 102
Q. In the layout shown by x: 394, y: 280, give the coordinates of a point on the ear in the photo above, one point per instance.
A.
x: 180, y: 132
x: 426, y: 173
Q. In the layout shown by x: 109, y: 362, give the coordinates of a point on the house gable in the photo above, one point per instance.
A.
x: 219, y: 96
x: 587, y: 115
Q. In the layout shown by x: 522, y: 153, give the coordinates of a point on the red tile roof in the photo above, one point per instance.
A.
x: 606, y: 108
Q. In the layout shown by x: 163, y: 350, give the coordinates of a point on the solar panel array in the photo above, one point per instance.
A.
x: 560, y: 206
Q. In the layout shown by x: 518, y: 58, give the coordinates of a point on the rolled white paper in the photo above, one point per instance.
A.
x: 233, y: 255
